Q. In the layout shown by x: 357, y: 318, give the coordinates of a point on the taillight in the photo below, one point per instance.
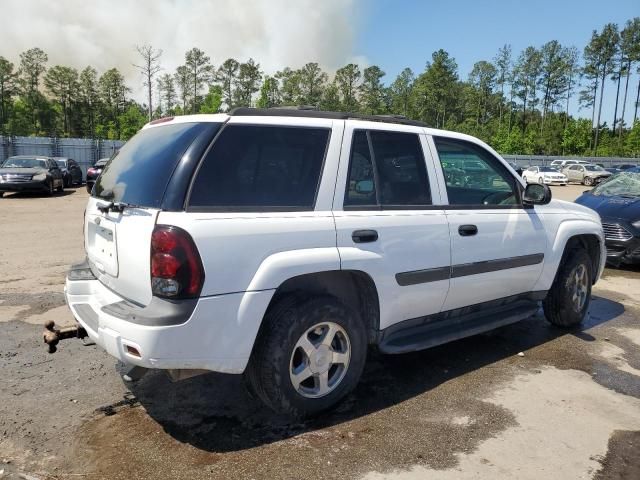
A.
x: 91, y: 171
x: 176, y: 267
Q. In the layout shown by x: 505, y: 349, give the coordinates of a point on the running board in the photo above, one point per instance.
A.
x: 434, y: 330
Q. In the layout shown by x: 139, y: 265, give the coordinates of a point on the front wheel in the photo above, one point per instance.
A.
x: 568, y: 299
x: 541, y: 181
x: 61, y: 186
x: 308, y: 356
x: 588, y: 181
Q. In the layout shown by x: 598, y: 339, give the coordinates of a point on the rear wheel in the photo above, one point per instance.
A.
x: 568, y: 299
x: 309, y: 355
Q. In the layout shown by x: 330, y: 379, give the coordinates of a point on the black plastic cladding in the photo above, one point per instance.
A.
x: 176, y: 191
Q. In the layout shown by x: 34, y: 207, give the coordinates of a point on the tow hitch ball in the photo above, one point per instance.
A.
x: 53, y: 335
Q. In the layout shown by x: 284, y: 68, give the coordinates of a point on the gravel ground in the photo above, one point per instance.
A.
x: 525, y: 401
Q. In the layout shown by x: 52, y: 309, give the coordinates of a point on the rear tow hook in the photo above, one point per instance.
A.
x: 52, y: 335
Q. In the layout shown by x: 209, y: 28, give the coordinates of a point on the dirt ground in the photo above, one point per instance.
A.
x: 526, y: 401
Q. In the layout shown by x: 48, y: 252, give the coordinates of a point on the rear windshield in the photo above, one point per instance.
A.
x: 139, y: 173
x: 254, y: 167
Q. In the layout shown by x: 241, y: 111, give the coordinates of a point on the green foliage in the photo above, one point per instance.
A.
x: 129, y: 122
x: 213, y: 100
x: 519, y: 107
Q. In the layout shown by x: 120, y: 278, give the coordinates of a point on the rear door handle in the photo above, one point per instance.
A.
x: 364, y: 236
x: 467, y: 230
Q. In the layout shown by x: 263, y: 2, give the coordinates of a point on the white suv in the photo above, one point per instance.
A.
x: 282, y: 243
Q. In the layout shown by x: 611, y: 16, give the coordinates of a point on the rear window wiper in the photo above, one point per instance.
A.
x: 115, y: 206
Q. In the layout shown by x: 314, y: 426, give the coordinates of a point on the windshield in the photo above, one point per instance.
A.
x: 548, y: 169
x: 625, y: 183
x: 139, y: 173
x: 24, y: 163
x: 594, y: 168
x: 62, y: 163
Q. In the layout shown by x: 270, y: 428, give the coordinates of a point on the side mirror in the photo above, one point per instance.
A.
x: 364, y: 187
x: 536, y: 194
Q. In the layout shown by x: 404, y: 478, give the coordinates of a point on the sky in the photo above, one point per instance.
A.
x: 390, y: 33
x: 396, y: 34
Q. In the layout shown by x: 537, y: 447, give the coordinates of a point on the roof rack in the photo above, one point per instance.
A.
x: 311, y: 112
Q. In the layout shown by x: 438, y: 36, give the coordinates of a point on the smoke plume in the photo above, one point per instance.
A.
x: 104, y: 33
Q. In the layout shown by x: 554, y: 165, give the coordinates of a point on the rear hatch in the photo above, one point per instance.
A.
x: 122, y: 211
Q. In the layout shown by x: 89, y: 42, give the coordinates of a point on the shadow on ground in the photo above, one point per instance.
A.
x: 215, y: 413
x: 67, y: 191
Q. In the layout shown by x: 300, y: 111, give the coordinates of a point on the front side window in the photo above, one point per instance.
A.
x: 473, y: 175
x: 261, y: 167
x: 387, y: 170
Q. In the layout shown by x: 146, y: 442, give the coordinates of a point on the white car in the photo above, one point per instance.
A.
x: 544, y: 175
x: 560, y: 164
x: 280, y: 244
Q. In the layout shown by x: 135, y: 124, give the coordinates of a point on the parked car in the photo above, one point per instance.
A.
x: 588, y: 174
x: 561, y: 164
x: 617, y: 201
x: 25, y: 173
x: 626, y: 166
x: 544, y: 175
x: 71, y: 171
x: 281, y: 243
x: 94, y: 172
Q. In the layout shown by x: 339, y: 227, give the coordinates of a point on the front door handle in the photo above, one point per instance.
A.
x: 364, y: 236
x: 467, y: 230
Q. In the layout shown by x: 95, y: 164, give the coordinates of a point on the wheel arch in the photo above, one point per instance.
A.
x: 355, y: 288
x: 572, y: 234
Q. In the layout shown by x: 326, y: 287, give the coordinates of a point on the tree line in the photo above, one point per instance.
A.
x: 517, y: 103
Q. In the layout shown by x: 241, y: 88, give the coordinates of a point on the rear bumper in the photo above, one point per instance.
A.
x: 214, y: 333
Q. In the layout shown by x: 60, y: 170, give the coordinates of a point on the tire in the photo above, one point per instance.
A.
x: 278, y: 354
x: 541, y: 181
x: 567, y: 302
x: 50, y: 188
x: 61, y: 187
x: 67, y: 181
x: 1, y: 194
x: 588, y: 181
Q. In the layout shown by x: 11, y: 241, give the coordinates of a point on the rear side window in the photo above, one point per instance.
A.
x: 140, y: 171
x: 256, y: 167
x: 387, y: 170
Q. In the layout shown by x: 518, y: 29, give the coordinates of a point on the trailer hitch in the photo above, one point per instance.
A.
x: 52, y: 335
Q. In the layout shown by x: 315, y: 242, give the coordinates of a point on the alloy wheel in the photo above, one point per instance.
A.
x: 320, y: 360
x: 580, y: 287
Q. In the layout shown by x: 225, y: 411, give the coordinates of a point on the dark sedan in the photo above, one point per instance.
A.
x: 27, y: 173
x: 94, y: 172
x: 618, y: 202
